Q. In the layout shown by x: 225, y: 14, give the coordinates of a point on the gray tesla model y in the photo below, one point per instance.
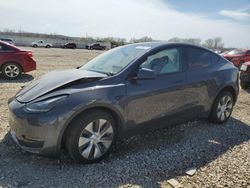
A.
x: 121, y: 92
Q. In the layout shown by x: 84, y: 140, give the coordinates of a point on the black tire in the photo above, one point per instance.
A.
x: 47, y: 46
x: 35, y: 46
x: 11, y: 71
x: 214, y: 115
x: 77, y: 128
x: 245, y: 85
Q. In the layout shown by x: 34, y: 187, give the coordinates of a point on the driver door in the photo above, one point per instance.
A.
x: 161, y: 98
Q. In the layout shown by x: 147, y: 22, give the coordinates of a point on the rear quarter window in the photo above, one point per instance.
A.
x: 198, y: 58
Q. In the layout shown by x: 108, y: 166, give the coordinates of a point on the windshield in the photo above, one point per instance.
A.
x: 113, y: 61
x: 236, y: 52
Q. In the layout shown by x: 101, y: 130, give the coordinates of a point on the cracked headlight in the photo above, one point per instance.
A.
x: 44, y: 105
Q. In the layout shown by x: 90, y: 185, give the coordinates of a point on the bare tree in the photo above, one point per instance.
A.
x: 214, y: 44
x: 218, y: 44
x: 209, y: 43
x: 143, y: 39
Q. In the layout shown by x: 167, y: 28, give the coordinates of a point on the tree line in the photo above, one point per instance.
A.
x: 212, y: 43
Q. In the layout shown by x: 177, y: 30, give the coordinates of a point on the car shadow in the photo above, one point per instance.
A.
x: 142, y: 160
x: 22, y: 79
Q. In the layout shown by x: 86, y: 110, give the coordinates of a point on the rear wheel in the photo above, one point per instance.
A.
x: 47, y: 46
x: 11, y: 70
x: 90, y: 137
x: 222, y: 108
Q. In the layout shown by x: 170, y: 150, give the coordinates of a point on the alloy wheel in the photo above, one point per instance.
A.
x: 225, y: 107
x: 12, y: 71
x: 95, y: 139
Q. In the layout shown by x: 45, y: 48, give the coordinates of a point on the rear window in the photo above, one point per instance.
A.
x: 5, y: 48
x: 199, y: 58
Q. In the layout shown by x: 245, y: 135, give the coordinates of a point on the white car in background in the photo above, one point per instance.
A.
x: 41, y: 43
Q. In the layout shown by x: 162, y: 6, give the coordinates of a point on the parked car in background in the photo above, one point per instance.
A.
x: 96, y: 46
x: 41, y: 43
x: 245, y: 75
x: 218, y: 51
x: 223, y: 53
x: 10, y: 41
x: 70, y: 45
x: 238, y: 56
x: 14, y: 61
x: 126, y: 90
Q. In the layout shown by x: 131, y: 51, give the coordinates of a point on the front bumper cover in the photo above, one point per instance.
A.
x: 34, y: 133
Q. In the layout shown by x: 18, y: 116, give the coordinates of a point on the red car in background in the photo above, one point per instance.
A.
x: 245, y: 75
x: 238, y: 56
x: 14, y: 61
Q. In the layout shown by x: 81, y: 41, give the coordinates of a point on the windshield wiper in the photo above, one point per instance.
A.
x: 109, y: 73
x: 102, y: 72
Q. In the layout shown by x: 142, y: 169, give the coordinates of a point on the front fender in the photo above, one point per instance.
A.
x: 102, y: 97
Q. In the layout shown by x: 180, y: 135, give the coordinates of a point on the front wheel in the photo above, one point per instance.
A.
x: 222, y: 108
x: 91, y: 136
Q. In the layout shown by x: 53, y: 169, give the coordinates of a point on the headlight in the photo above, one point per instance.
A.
x: 44, y: 105
x: 243, y: 68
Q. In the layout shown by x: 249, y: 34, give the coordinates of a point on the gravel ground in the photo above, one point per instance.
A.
x: 220, y: 153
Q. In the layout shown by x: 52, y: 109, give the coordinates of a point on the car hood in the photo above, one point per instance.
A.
x: 54, y: 80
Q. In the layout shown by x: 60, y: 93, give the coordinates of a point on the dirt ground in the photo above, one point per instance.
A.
x: 219, y: 153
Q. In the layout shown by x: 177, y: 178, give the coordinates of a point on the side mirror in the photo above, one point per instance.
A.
x: 146, y: 74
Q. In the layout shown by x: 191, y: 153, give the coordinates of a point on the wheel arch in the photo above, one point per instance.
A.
x: 227, y: 88
x: 11, y: 61
x: 230, y: 89
x: 117, y: 117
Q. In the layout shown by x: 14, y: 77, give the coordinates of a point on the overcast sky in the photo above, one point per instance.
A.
x: 162, y: 20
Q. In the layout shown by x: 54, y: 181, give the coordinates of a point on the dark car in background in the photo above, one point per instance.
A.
x: 124, y: 91
x: 70, y: 45
x: 10, y: 41
x: 14, y: 61
x: 238, y: 56
x: 245, y: 75
x: 96, y: 46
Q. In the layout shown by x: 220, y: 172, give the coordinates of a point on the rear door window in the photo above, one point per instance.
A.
x: 199, y: 58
